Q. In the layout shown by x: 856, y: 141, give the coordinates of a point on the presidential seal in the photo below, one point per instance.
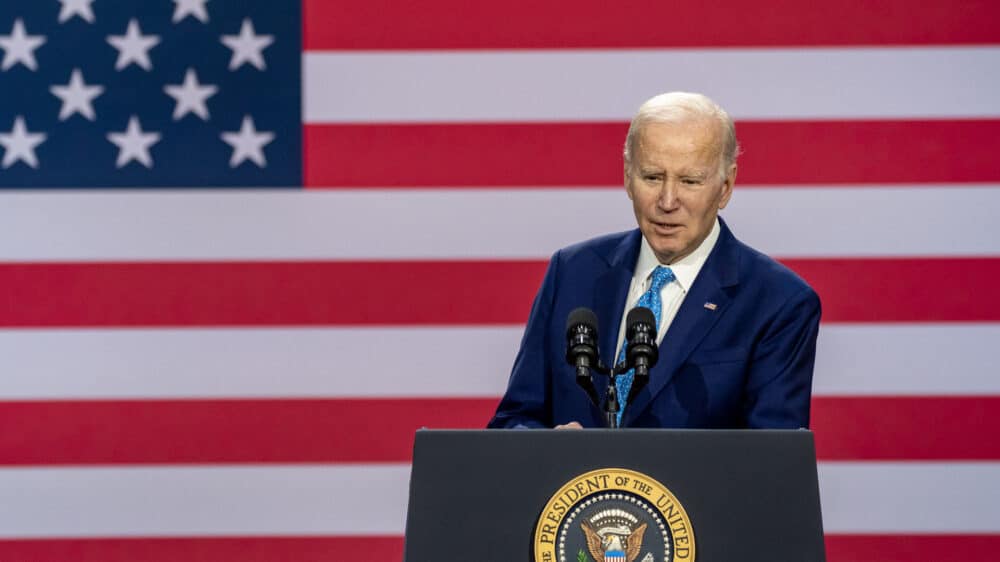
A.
x: 614, y: 515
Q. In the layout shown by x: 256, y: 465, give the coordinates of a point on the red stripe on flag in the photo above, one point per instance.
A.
x: 210, y: 549
x: 268, y: 293
x: 904, y: 289
x: 589, y: 154
x: 432, y: 292
x: 467, y: 155
x: 515, y: 24
x: 912, y: 548
x: 839, y: 548
x: 226, y: 431
x: 326, y: 430
x: 902, y: 428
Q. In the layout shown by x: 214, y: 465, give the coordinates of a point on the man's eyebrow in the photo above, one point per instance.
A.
x: 694, y: 172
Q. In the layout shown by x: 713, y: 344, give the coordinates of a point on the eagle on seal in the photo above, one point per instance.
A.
x: 599, y: 547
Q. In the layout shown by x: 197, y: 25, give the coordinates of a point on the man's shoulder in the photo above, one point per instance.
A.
x: 604, y: 246
x: 761, y: 268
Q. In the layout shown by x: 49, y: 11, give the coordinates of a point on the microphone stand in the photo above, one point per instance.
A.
x: 611, y: 405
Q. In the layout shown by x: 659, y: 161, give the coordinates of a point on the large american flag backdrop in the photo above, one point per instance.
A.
x: 248, y: 247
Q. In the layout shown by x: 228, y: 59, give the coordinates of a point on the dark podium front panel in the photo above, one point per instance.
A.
x: 750, y: 495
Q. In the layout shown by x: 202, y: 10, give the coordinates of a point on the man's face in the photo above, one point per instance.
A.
x: 675, y: 185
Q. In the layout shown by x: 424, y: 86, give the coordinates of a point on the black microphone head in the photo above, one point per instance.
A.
x: 581, y: 339
x: 639, y: 315
x: 583, y: 316
x: 640, y: 331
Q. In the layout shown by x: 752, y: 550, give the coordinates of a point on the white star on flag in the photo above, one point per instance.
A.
x: 247, y: 46
x: 20, y: 144
x: 80, y: 8
x: 194, y: 8
x: 191, y: 96
x: 19, y: 47
x: 133, y: 46
x: 248, y: 144
x: 77, y: 97
x: 134, y: 144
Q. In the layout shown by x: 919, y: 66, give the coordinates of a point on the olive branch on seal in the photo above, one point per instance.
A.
x: 581, y: 556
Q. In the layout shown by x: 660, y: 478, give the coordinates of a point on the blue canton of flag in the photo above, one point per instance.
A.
x: 159, y: 93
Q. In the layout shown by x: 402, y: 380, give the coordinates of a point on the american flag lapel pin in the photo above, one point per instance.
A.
x: 711, y: 305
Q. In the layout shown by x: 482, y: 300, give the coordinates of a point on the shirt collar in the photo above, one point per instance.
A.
x: 686, y: 269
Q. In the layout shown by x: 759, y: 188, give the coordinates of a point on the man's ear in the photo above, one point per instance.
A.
x: 727, y: 188
x: 628, y: 182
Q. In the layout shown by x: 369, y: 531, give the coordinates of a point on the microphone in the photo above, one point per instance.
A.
x: 641, y: 353
x: 581, y: 348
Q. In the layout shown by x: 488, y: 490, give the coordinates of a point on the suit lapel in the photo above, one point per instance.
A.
x: 610, y: 292
x: 693, y: 320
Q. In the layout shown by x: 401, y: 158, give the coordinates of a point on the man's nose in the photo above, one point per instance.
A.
x: 668, y: 198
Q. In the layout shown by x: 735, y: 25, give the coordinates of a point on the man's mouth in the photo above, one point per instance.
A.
x: 667, y: 228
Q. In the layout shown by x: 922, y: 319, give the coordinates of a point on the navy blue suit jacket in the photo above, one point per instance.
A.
x: 747, y: 363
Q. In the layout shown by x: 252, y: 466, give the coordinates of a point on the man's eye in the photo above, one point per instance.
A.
x: 651, y: 178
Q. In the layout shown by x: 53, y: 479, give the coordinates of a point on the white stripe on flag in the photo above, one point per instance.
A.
x: 371, y: 499
x: 596, y: 85
x: 203, y: 501
x: 852, y: 360
x: 910, y: 497
x: 476, y: 224
x: 906, y: 360
x: 425, y: 361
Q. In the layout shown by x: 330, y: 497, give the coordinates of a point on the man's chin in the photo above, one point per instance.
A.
x: 666, y: 254
x: 666, y: 242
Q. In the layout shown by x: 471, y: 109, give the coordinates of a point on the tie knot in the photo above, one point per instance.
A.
x: 661, y: 276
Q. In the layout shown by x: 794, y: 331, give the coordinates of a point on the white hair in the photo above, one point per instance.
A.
x: 675, y: 107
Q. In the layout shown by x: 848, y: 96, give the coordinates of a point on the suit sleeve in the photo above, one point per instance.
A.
x: 779, y: 386
x: 527, y: 402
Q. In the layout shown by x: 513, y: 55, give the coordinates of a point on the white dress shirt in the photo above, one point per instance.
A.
x: 672, y: 294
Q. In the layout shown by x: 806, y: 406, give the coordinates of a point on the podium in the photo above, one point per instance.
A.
x: 685, y: 495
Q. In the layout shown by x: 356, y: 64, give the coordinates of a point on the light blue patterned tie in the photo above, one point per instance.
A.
x: 651, y: 300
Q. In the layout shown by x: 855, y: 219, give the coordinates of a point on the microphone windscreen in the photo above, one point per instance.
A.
x: 583, y: 316
x: 640, y: 314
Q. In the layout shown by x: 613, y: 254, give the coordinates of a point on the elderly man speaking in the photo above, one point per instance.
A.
x: 737, y: 330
